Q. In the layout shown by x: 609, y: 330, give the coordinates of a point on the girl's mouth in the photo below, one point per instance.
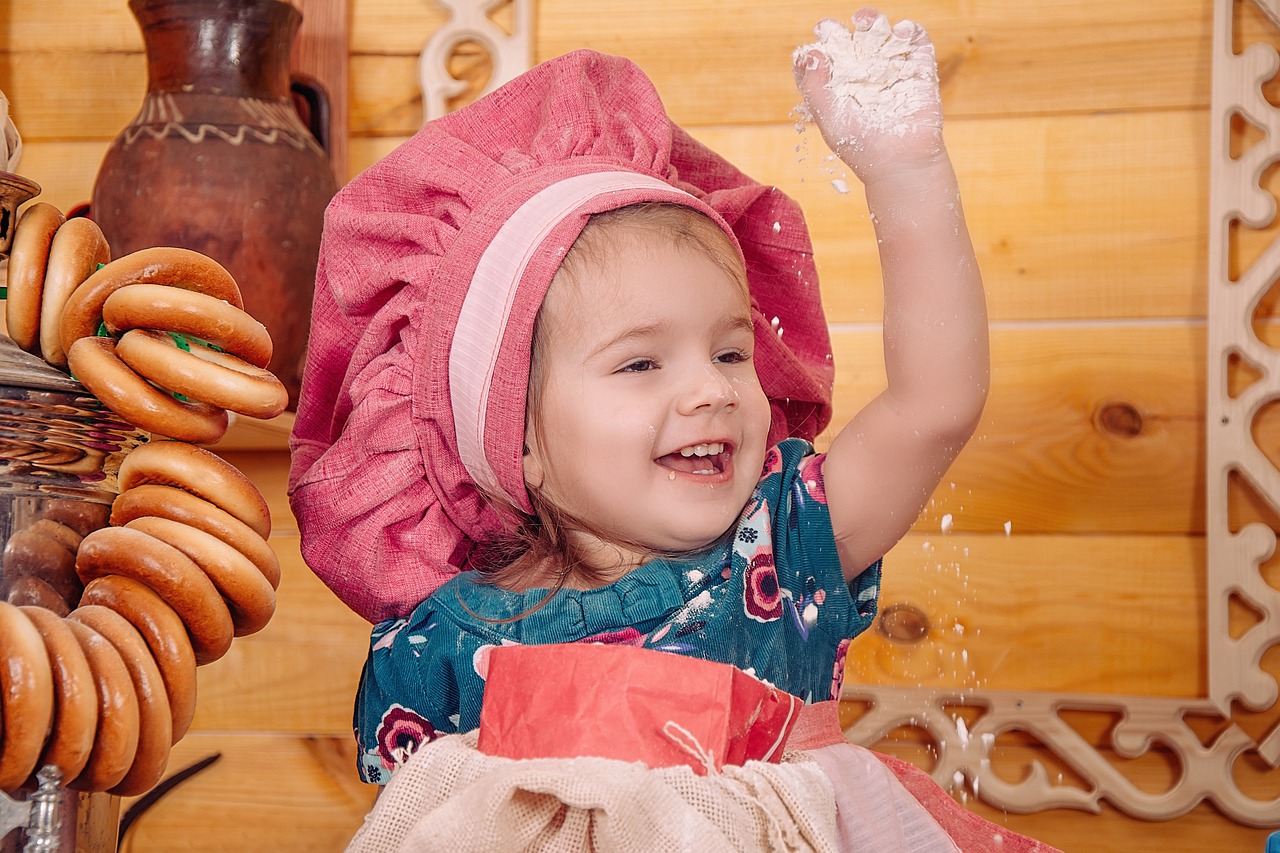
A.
x: 712, y: 460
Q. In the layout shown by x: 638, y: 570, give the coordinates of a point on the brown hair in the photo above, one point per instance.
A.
x: 518, y: 561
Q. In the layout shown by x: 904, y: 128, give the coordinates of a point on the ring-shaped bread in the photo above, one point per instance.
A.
x: 166, y: 636
x: 28, y: 264
x: 204, y: 374
x: 155, y: 723
x: 75, y: 697
x: 179, y: 505
x: 26, y: 694
x: 171, y: 574
x: 182, y: 268
x: 188, y: 313
x: 251, y: 600
x: 115, y: 742
x: 78, y: 249
x: 94, y: 362
x: 201, y: 472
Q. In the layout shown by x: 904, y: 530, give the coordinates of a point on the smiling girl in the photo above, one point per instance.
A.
x: 567, y: 365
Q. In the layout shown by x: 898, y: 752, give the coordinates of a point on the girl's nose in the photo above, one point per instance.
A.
x: 708, y: 390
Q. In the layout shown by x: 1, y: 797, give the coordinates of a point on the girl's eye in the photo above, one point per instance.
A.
x: 733, y: 357
x: 640, y: 365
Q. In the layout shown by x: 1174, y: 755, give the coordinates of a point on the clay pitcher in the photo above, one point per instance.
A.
x: 218, y: 160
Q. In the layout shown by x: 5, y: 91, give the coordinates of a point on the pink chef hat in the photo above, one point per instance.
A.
x: 432, y: 268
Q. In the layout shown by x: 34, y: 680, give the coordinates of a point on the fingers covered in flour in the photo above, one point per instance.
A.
x: 872, y: 89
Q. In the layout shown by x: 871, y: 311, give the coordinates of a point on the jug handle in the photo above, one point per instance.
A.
x: 312, y: 104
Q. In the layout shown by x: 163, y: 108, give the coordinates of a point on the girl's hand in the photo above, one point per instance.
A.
x: 873, y: 93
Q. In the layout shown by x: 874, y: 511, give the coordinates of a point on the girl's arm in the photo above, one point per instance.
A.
x: 874, y: 95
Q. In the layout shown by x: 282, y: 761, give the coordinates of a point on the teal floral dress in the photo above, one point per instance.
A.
x: 770, y: 599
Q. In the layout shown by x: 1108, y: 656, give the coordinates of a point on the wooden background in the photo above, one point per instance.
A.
x: 1073, y: 557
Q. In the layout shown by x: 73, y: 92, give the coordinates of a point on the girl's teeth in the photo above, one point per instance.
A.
x: 703, y: 449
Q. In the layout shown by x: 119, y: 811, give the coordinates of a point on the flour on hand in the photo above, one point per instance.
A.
x: 881, y: 76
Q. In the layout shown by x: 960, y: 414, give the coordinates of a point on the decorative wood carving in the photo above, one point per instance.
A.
x: 471, y: 21
x: 965, y: 724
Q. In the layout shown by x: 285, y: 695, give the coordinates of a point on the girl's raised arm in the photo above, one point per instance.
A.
x: 873, y: 92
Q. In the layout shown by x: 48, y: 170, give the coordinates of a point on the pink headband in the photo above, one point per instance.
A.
x: 487, y: 305
x: 433, y: 264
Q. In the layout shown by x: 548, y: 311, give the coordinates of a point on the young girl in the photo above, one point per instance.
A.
x: 561, y: 346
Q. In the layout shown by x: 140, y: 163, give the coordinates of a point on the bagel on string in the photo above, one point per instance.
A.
x: 78, y: 249
x: 81, y: 516
x: 189, y: 313
x: 26, y: 694
x: 200, y: 373
x: 248, y: 596
x: 155, y: 723
x: 93, y: 361
x: 28, y: 264
x: 29, y: 552
x: 178, y: 505
x: 34, y: 592
x: 181, y: 268
x: 166, y: 637
x: 115, y: 741
x: 200, y: 472
x: 75, y: 700
x: 170, y: 574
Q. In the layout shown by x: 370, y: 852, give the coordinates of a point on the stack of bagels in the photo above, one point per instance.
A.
x: 160, y: 337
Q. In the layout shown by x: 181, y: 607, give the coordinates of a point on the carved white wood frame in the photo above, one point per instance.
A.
x: 964, y: 748
x: 512, y: 54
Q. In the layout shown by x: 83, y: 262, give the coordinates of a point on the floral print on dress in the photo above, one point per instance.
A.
x: 384, y: 633
x: 624, y: 637
x: 769, y: 598
x: 763, y: 593
x: 400, y: 733
x: 772, y: 462
x: 811, y: 476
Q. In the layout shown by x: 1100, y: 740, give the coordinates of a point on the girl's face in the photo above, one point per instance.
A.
x: 652, y: 423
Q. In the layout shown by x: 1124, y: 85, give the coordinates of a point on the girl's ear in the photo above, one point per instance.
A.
x: 534, y: 473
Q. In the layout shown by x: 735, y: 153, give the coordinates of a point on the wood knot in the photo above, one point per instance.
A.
x: 903, y: 623
x: 1120, y: 419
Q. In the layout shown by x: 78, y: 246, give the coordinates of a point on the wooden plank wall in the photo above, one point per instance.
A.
x: 1075, y: 548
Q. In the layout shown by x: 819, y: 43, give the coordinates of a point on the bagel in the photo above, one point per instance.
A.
x: 94, y: 362
x: 33, y: 592
x: 80, y: 515
x: 174, y: 503
x: 28, y: 553
x: 76, y: 253
x: 155, y: 724
x: 28, y: 262
x: 166, y: 637
x: 181, y: 268
x: 115, y: 741
x: 171, y: 574
x: 204, y: 374
x: 57, y: 531
x: 248, y: 596
x: 201, y: 472
x: 75, y: 697
x: 26, y: 694
x: 195, y: 315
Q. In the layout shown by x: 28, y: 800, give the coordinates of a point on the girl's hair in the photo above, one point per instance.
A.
x: 519, y: 560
